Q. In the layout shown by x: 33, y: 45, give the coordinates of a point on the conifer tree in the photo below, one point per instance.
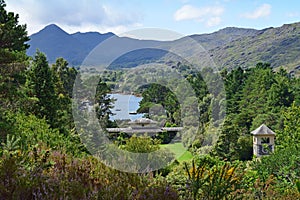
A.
x: 41, y: 86
x: 13, y: 38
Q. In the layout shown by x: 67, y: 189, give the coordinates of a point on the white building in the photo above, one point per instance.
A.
x: 263, y: 141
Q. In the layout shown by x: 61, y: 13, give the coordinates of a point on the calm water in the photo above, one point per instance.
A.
x: 125, y: 104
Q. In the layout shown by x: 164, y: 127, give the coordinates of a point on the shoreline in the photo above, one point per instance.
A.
x: 126, y: 93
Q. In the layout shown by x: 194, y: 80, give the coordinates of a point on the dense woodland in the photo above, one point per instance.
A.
x: 43, y: 157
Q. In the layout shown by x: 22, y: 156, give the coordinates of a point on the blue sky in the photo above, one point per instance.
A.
x: 182, y: 16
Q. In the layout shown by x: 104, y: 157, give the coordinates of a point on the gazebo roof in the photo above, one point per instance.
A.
x: 143, y: 121
x: 263, y: 130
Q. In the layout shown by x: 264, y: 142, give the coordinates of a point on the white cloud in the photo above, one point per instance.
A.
x: 262, y: 11
x: 214, y: 21
x: 210, y: 14
x: 293, y: 14
x: 78, y: 15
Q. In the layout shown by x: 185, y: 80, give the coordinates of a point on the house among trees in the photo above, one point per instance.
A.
x: 144, y: 125
x: 263, y: 141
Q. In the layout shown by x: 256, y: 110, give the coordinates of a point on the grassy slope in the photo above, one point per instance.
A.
x: 181, y: 154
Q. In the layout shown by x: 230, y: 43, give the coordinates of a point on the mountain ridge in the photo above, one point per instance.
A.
x: 229, y: 47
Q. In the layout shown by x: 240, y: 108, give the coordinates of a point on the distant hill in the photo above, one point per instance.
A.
x: 55, y: 42
x: 229, y: 47
x: 278, y: 46
x: 223, y: 36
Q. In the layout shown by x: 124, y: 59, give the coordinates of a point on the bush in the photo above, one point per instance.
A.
x: 55, y: 175
x: 29, y: 130
x: 283, y: 165
x: 207, y: 178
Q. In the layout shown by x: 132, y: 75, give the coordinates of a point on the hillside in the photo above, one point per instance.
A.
x: 223, y: 36
x: 278, y: 46
x: 229, y: 47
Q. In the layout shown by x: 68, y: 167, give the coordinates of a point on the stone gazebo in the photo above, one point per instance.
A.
x: 144, y: 125
x: 263, y: 141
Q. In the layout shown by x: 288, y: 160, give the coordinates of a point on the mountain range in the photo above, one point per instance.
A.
x: 229, y: 47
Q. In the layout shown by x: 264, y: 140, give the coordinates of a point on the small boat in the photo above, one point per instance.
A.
x: 118, y: 109
x: 133, y: 113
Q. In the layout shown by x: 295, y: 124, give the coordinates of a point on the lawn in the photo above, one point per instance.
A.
x: 181, y: 154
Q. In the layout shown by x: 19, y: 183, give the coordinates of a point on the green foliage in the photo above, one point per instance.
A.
x: 13, y: 58
x: 291, y: 132
x: 165, y: 137
x: 41, y: 86
x: 298, y: 186
x: 148, y: 153
x: 13, y: 36
x: 195, y: 176
x: 42, y: 156
x: 5, y: 125
x: 296, y: 90
x: 255, y: 93
x: 29, y: 131
x: 55, y: 175
x: 198, y: 84
x: 159, y: 94
x: 104, y: 103
x: 141, y: 144
x: 11, y: 144
x: 281, y: 93
x: 179, y: 151
x: 63, y: 79
x: 234, y: 83
x: 227, y: 143
x: 254, y: 96
x: 283, y: 165
x: 207, y: 178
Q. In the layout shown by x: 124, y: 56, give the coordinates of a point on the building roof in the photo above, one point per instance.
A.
x: 131, y: 130
x: 263, y: 130
x: 144, y: 130
x: 143, y: 121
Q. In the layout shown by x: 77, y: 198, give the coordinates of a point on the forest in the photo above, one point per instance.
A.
x: 43, y: 155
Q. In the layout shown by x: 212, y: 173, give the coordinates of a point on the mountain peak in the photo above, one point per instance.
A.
x: 52, y: 26
x: 52, y: 29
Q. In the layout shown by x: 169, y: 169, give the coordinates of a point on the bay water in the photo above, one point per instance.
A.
x: 124, y: 107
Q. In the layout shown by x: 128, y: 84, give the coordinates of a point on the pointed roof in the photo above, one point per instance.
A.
x: 263, y: 130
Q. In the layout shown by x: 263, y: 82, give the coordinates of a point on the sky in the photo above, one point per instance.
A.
x: 185, y: 17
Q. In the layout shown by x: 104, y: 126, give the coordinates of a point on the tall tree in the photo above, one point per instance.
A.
x: 255, y: 93
x: 41, y: 86
x: 228, y: 138
x: 291, y: 132
x: 296, y: 90
x: 234, y: 82
x: 13, y: 38
x: 104, y: 103
x: 281, y: 93
x: 63, y: 79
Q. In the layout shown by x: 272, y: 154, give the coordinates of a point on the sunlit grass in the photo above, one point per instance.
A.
x: 181, y: 154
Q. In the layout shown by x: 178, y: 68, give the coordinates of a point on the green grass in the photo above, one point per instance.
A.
x: 181, y: 154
